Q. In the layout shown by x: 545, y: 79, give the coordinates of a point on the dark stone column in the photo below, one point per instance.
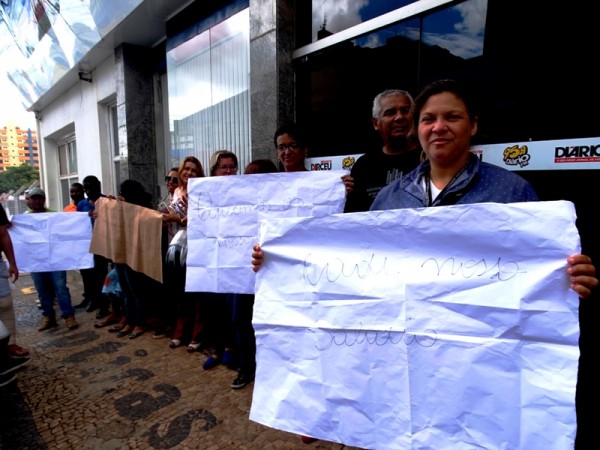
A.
x: 271, y: 71
x: 135, y: 112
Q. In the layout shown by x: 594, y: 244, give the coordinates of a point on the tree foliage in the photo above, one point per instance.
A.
x: 15, y: 177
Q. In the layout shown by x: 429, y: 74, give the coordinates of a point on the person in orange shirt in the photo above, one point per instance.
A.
x: 76, y: 193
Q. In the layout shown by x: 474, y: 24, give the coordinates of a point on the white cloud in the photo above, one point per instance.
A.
x: 12, y: 109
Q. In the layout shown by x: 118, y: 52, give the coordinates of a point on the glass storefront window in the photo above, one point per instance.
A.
x: 345, y: 77
x: 209, y: 78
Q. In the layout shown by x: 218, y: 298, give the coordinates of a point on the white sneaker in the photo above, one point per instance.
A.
x: 7, y: 379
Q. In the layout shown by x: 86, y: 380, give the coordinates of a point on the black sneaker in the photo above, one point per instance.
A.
x: 241, y: 380
x: 84, y: 304
x: 12, y: 364
x: 7, y: 379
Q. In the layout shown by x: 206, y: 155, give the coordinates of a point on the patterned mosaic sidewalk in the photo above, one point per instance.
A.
x: 88, y: 389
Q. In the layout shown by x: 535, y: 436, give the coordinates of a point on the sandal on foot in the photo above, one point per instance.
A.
x: 16, y: 351
x: 136, y: 334
x: 124, y: 332
x: 105, y: 323
x: 193, y: 346
x: 118, y: 327
x: 175, y: 343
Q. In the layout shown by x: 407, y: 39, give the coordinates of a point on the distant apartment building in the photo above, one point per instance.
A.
x: 18, y: 146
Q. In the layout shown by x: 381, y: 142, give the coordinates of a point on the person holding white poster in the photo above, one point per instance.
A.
x: 445, y: 119
x: 52, y: 283
x: 218, y: 306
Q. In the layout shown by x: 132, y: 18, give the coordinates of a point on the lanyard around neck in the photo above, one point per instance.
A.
x: 443, y: 191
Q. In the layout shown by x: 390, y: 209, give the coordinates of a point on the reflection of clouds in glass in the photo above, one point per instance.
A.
x: 473, y: 14
x: 465, y: 47
x: 380, y: 38
x: 458, y: 29
x: 467, y: 41
x: 108, y: 14
x: 339, y: 14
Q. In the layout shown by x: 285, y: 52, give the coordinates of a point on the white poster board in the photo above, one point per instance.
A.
x: 448, y: 327
x: 46, y: 242
x: 224, y: 214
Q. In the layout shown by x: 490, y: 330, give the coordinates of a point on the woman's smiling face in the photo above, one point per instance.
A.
x: 190, y: 170
x: 445, y: 129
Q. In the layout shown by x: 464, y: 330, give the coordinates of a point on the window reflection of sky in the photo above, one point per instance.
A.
x: 44, y: 39
x: 209, y: 68
x: 459, y: 29
x: 341, y: 14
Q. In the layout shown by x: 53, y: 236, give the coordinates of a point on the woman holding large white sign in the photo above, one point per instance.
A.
x: 445, y: 120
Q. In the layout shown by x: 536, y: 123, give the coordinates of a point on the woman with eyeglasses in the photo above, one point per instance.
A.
x: 291, y: 148
x: 165, y: 314
x: 223, y: 162
x: 218, y: 311
x: 172, y: 182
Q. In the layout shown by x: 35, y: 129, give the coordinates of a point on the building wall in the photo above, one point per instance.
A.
x: 78, y: 112
x: 124, y: 79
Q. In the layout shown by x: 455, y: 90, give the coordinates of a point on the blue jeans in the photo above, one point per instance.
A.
x: 50, y: 284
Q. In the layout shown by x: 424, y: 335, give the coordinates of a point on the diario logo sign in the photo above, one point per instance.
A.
x: 577, y: 153
x: 348, y: 162
x: 516, y: 156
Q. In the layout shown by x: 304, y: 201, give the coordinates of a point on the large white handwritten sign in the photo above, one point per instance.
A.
x: 46, y: 242
x: 448, y: 327
x: 224, y: 213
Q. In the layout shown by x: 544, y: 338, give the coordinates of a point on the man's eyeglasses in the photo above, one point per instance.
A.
x: 283, y: 147
x: 173, y: 180
x: 227, y: 167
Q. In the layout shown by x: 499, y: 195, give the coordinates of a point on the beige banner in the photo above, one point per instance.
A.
x: 129, y: 234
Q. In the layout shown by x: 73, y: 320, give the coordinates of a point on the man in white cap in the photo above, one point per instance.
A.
x: 50, y: 284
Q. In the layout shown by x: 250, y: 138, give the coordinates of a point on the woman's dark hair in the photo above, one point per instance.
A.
x: 133, y: 192
x: 294, y: 131
x: 260, y: 166
x: 437, y: 87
